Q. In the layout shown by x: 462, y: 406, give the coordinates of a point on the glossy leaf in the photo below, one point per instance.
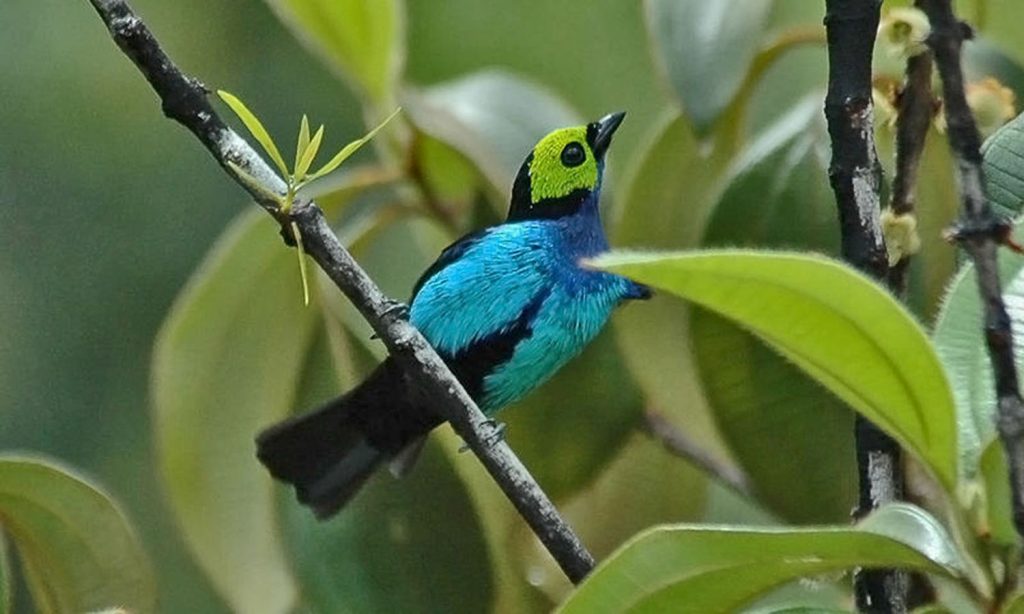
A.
x: 408, y: 545
x: 645, y: 486
x: 1014, y: 605
x: 705, y: 49
x: 309, y: 154
x: 666, y: 197
x: 693, y: 568
x: 492, y: 117
x: 6, y: 581
x: 1004, y: 167
x: 255, y: 127
x: 362, y: 39
x: 995, y: 476
x: 832, y: 322
x: 960, y: 343
x: 777, y: 421
x: 600, y: 419
x: 77, y: 550
x: 303, y: 141
x: 226, y: 364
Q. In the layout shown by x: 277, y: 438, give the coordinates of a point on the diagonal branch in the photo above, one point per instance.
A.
x: 184, y: 100
x: 679, y: 443
x: 980, y: 231
x: 855, y: 175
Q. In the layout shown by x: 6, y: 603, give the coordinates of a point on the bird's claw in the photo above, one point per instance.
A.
x: 396, y: 308
x: 496, y: 434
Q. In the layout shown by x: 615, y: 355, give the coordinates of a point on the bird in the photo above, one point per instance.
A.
x: 505, y: 307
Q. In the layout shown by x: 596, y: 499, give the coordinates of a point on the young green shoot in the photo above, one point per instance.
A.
x: 306, y: 149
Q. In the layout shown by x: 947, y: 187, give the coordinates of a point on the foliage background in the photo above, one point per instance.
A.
x: 106, y: 208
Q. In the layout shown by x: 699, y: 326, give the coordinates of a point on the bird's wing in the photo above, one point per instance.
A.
x: 479, y: 299
x: 449, y: 255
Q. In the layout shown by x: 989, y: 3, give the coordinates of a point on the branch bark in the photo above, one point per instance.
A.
x: 916, y: 108
x: 855, y: 175
x: 680, y: 444
x: 184, y: 100
x: 980, y: 231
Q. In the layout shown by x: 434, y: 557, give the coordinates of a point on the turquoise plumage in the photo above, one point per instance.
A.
x: 532, y: 267
x: 505, y: 307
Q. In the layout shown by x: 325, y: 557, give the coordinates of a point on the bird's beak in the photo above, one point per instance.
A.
x: 603, y: 129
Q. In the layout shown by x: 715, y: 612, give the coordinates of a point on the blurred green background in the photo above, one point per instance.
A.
x: 106, y: 208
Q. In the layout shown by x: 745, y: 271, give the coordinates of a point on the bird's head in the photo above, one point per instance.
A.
x: 563, y: 170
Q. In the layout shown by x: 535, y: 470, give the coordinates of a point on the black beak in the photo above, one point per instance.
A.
x: 602, y: 131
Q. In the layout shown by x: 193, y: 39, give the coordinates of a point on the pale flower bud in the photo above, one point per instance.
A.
x: 992, y: 104
x: 903, y: 32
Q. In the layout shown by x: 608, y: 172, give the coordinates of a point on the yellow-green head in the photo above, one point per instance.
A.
x: 563, y: 169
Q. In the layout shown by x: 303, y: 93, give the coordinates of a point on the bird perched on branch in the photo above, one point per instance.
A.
x: 505, y: 307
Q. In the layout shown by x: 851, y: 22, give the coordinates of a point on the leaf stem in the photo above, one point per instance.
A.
x: 916, y: 108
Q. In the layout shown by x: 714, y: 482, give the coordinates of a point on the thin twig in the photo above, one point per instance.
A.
x: 184, y: 100
x: 980, y: 231
x: 680, y: 444
x: 855, y: 175
x: 916, y: 108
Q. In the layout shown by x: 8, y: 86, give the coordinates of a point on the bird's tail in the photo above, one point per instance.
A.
x: 324, y: 454
x: 329, y: 453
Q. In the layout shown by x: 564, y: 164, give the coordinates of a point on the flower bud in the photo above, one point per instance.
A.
x: 992, y: 104
x: 903, y: 32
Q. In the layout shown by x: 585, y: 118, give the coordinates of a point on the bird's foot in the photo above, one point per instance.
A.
x: 396, y: 308
x: 495, y: 434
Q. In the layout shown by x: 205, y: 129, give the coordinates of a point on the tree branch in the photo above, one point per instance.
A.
x: 916, y: 107
x: 855, y: 175
x: 184, y: 100
x: 680, y: 444
x: 980, y: 231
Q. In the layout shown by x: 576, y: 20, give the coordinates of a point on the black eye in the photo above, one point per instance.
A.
x: 573, y: 154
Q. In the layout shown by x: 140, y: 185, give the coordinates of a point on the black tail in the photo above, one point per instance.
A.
x: 329, y: 453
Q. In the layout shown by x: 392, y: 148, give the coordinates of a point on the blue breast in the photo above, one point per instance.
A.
x: 519, y: 279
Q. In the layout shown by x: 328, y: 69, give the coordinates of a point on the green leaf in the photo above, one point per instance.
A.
x: 408, y: 545
x: 309, y: 154
x: 350, y: 149
x: 6, y: 580
x: 705, y: 50
x: 643, y: 486
x: 995, y: 476
x: 667, y: 195
x: 226, y: 364
x: 600, y: 421
x: 78, y: 551
x: 1004, y: 167
x: 719, y: 569
x: 255, y: 128
x: 832, y: 322
x: 1014, y: 605
x: 254, y: 184
x: 492, y: 117
x: 960, y: 342
x: 363, y: 40
x: 303, y: 142
x: 777, y: 421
